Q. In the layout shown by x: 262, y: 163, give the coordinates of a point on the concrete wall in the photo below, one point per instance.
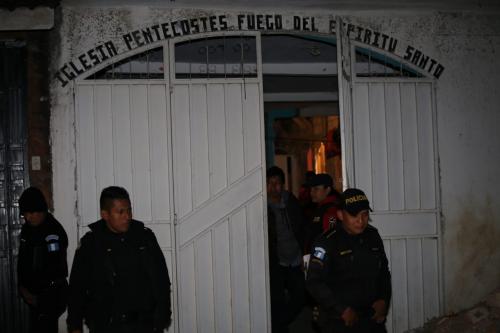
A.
x: 468, y: 116
x: 469, y: 150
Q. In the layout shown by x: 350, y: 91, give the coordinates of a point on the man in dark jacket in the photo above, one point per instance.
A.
x: 41, y: 266
x: 119, y: 280
x: 286, y: 243
x: 348, y: 273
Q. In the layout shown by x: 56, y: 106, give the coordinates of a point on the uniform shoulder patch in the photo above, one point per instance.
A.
x: 52, y: 243
x: 51, y: 237
x: 319, y: 253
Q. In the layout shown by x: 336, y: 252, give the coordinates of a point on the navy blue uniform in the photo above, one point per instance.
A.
x: 119, y: 282
x: 349, y: 271
x: 42, y: 270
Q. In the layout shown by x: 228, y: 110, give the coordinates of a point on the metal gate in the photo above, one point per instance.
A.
x: 13, y: 178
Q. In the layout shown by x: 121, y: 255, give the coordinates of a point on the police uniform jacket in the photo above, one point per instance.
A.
x: 348, y: 271
x: 42, y: 255
x: 118, y: 277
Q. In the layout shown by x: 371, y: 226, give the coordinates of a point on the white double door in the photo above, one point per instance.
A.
x: 190, y: 152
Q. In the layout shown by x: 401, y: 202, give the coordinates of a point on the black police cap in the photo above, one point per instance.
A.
x: 32, y: 200
x: 321, y: 179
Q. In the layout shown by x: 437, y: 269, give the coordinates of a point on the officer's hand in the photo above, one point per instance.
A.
x: 315, y: 314
x: 27, y: 296
x: 349, y: 316
x: 380, y: 311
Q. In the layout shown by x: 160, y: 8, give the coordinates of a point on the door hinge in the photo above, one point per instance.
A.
x: 175, y: 219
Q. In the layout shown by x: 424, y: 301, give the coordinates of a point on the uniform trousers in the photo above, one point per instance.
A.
x: 129, y: 327
x: 363, y: 325
x: 126, y: 323
x: 288, y: 295
x: 41, y: 322
x: 50, y: 304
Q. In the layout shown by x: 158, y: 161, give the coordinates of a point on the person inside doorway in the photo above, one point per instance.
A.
x: 348, y: 273
x: 286, y: 243
x: 305, y: 196
x: 41, y: 266
x: 326, y: 198
x: 119, y: 281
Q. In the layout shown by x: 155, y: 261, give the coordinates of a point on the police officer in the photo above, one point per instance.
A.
x: 119, y: 280
x: 326, y: 198
x: 348, y: 274
x: 41, y: 266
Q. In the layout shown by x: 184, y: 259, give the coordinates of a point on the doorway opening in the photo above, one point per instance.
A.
x: 302, y: 120
x: 301, y: 108
x: 389, y: 121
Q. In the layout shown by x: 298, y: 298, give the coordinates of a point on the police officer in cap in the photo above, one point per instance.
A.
x: 348, y: 273
x: 42, y: 267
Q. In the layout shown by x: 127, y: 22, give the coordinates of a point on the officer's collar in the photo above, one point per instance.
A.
x: 340, y: 227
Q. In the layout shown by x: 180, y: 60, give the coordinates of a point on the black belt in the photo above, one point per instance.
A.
x: 365, y: 311
x: 57, y: 283
x: 290, y: 266
x: 130, y: 317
